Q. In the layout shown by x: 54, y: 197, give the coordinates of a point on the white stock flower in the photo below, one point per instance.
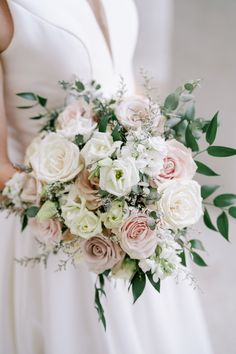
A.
x: 56, y: 159
x: 75, y: 119
x: 180, y: 203
x: 147, y: 265
x: 86, y: 224
x: 119, y: 177
x: 149, y: 153
x: 100, y: 146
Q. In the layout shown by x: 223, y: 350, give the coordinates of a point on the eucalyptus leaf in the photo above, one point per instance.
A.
x: 42, y: 101
x: 223, y: 225
x: 138, y: 284
x: 207, y: 190
x: 79, y: 86
x: 221, y: 151
x: 171, y: 102
x: 189, y: 87
x: 183, y: 258
x: 198, y: 259
x: 24, y: 222
x: 197, y: 244
x: 212, y: 129
x: 36, y: 117
x: 207, y: 220
x: 224, y: 200
x: 204, y: 169
x: 32, y: 211
x: 26, y: 107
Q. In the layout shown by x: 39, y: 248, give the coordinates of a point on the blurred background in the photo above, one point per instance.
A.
x: 190, y: 39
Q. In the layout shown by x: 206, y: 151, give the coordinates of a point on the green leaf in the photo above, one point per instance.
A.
x: 32, y: 211
x: 190, y: 140
x: 27, y: 96
x: 99, y: 307
x: 232, y: 212
x: 153, y: 214
x: 102, y: 127
x: 25, y: 107
x: 212, y: 129
x: 79, y: 86
x: 190, y: 112
x: 24, y: 222
x: 116, y: 133
x: 189, y: 87
x: 138, y: 284
x: 183, y: 258
x: 42, y: 101
x: 79, y: 140
x: 171, y: 102
x: 204, y: 169
x: 36, y: 117
x: 198, y: 259
x: 223, y: 225
x: 197, y: 244
x: 156, y: 285
x: 224, y: 200
x: 207, y: 190
x: 221, y: 151
x: 207, y: 220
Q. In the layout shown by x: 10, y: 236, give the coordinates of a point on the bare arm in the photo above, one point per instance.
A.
x: 6, y: 31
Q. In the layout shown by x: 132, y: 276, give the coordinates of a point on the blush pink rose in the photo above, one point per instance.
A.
x: 136, y: 237
x: 100, y: 253
x: 88, y: 189
x: 48, y: 232
x: 178, y: 164
x: 132, y: 111
x: 31, y: 190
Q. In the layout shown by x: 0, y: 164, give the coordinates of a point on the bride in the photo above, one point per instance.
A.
x: 43, y: 312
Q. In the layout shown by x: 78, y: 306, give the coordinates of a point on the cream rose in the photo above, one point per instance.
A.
x: 119, y: 176
x: 100, y: 253
x: 76, y: 119
x: 100, y: 146
x: 48, y: 231
x: 86, y: 224
x: 178, y: 164
x: 132, y: 111
x: 57, y: 159
x: 136, y: 237
x: 180, y: 203
x: 88, y: 189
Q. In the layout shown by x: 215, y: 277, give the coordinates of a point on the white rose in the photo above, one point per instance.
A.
x: 14, y: 187
x: 115, y: 215
x: 119, y: 178
x: 86, y: 224
x: 57, y: 159
x: 101, y: 145
x: 181, y: 203
x: 33, y: 148
x: 76, y: 119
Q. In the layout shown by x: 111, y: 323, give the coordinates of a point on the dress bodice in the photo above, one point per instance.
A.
x: 54, y: 40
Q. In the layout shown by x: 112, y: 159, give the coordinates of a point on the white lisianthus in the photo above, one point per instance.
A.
x: 56, y: 159
x: 148, y: 153
x: 119, y: 177
x: 100, y: 146
x: 180, y: 203
x: 86, y: 224
x: 13, y: 188
x: 75, y: 119
x: 147, y: 265
x: 71, y: 205
x: 115, y: 215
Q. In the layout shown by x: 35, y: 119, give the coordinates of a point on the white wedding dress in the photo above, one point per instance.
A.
x: 41, y: 311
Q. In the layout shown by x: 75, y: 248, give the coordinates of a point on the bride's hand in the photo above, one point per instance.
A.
x: 6, y: 172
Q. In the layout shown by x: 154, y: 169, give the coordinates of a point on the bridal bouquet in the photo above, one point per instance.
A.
x: 109, y: 183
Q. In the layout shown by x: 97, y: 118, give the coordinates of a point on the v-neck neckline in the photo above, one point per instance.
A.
x: 102, y: 22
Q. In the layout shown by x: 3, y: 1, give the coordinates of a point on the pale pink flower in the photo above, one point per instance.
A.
x: 32, y: 188
x: 178, y: 164
x: 136, y: 237
x: 100, y: 253
x: 48, y: 231
x: 88, y: 189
